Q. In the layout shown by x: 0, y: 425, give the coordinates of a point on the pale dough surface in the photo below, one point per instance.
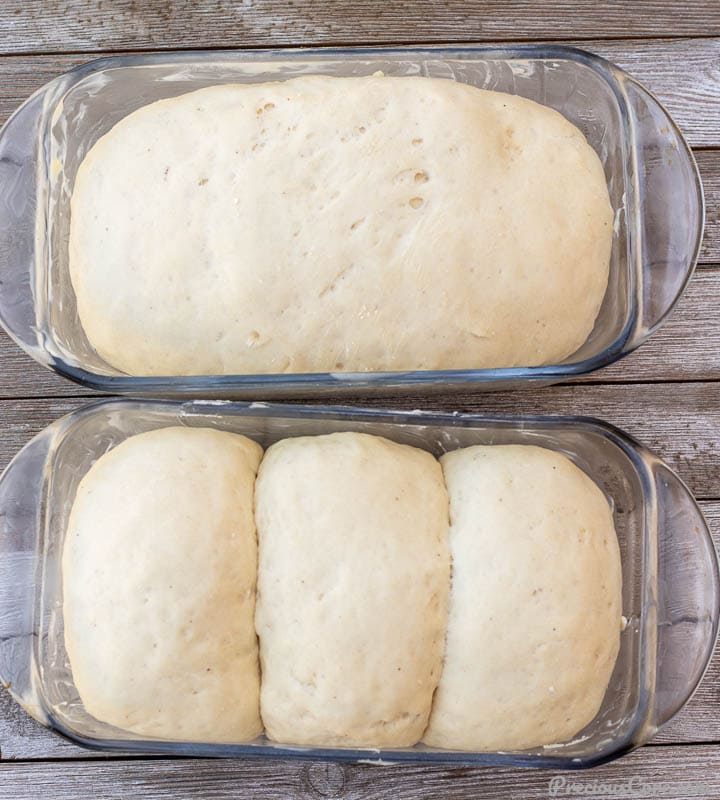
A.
x: 535, y: 605
x: 354, y: 573
x: 159, y: 577
x: 339, y: 224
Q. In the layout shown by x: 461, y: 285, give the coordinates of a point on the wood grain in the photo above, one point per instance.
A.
x: 688, y: 78
x: 708, y: 162
x: 683, y: 73
x: 21, y: 737
x: 686, y: 347
x: 62, y: 25
x: 680, y: 422
x: 23, y: 377
x: 673, y: 773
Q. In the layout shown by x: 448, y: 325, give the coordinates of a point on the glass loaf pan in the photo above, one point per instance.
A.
x: 670, y: 570
x: 652, y: 177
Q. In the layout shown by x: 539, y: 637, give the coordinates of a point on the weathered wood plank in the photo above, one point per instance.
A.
x: 23, y: 738
x: 682, y: 86
x: 708, y: 162
x: 681, y: 422
x: 20, y: 376
x: 686, y: 347
x: 683, y: 73
x: 54, y: 26
x: 674, y: 773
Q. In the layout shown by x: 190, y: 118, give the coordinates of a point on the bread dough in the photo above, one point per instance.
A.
x: 339, y: 224
x: 354, y: 573
x: 159, y: 574
x: 535, y: 606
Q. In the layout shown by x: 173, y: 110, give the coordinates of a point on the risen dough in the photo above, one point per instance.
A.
x: 159, y: 573
x: 535, y: 605
x: 331, y: 224
x: 352, y: 589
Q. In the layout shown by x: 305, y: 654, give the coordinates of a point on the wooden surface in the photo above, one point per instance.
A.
x: 667, y: 394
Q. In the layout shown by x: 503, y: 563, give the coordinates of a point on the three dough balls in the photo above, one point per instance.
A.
x: 341, y: 590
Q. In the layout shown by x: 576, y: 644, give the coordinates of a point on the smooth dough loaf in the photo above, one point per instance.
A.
x: 354, y: 574
x: 535, y: 605
x: 159, y: 576
x: 339, y: 224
